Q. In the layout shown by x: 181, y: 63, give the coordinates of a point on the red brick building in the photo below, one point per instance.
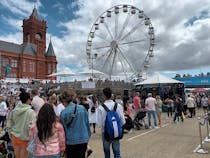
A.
x: 29, y: 59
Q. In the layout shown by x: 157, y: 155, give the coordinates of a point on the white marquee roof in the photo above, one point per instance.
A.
x: 158, y: 79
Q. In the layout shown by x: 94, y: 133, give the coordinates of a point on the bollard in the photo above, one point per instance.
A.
x: 207, y: 139
x: 201, y: 150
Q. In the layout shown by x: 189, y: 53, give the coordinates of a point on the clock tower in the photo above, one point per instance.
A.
x: 34, y: 31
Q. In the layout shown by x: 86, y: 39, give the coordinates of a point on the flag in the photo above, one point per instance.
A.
x: 7, y: 70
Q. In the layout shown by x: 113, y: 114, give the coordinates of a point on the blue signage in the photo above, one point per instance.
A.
x: 204, y: 80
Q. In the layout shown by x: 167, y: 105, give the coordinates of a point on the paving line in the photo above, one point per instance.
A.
x: 142, y: 134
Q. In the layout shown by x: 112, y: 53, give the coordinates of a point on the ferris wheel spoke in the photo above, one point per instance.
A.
x: 101, y: 37
x: 102, y: 55
x: 102, y: 47
x: 124, y: 25
x: 107, y: 28
x: 124, y: 71
x: 110, y: 53
x: 126, y: 59
x: 130, y: 42
x: 131, y: 31
x: 111, y: 68
x: 116, y: 26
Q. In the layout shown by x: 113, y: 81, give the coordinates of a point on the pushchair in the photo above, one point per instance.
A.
x: 139, y: 121
x: 6, y: 148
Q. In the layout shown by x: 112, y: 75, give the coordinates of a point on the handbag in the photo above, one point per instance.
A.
x: 32, y: 146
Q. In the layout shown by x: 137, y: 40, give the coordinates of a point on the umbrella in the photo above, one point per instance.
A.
x: 64, y: 73
x: 198, y: 90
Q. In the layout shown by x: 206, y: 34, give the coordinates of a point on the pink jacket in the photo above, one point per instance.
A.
x: 54, y: 145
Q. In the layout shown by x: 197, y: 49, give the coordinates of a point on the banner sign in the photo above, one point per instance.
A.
x: 204, y: 80
x: 88, y: 85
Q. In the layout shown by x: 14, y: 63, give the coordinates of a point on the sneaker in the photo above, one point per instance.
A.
x: 130, y: 131
x: 150, y: 127
x: 89, y: 152
x: 156, y: 127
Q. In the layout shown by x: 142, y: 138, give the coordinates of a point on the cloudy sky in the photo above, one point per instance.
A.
x: 181, y: 27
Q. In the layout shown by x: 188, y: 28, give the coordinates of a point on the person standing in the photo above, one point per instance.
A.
x: 204, y: 103
x: 3, y: 110
x: 178, y: 106
x: 101, y: 123
x: 36, y: 102
x: 169, y: 104
x: 159, y: 109
x: 190, y: 102
x: 150, y: 104
x: 76, y: 125
x: 58, y: 108
x: 92, y: 111
x: 137, y: 103
x: 19, y: 123
x: 48, y: 133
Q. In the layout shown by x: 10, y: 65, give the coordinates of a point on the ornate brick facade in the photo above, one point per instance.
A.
x: 29, y: 59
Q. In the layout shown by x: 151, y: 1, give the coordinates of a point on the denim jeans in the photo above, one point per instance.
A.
x: 115, y: 147
x: 2, y: 120
x: 153, y: 113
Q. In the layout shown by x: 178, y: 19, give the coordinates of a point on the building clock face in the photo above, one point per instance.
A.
x: 38, y: 36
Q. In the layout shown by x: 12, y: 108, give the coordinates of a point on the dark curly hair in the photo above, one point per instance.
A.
x: 46, y: 118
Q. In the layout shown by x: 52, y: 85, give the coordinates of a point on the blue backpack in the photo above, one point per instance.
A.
x: 113, y: 128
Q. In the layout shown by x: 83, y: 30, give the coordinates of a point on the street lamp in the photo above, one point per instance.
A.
x: 92, y: 57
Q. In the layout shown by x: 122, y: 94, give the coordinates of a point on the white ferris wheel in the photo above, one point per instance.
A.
x: 121, y: 41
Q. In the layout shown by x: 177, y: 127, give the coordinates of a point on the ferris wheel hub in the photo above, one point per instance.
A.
x: 114, y: 44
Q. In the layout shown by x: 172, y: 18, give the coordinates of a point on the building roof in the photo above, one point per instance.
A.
x: 10, y: 47
x: 29, y: 48
x: 50, y: 50
x: 35, y: 14
x: 25, y: 48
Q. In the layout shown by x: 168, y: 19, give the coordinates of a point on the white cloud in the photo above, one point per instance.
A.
x: 22, y: 7
x: 14, y: 38
x: 13, y: 22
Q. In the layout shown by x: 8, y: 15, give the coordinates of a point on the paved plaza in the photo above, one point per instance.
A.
x: 169, y: 141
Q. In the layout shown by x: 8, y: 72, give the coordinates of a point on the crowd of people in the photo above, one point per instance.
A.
x: 61, y: 124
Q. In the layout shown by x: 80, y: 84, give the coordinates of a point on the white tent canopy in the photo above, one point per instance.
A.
x: 64, y: 73
x: 91, y: 72
x: 158, y: 79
